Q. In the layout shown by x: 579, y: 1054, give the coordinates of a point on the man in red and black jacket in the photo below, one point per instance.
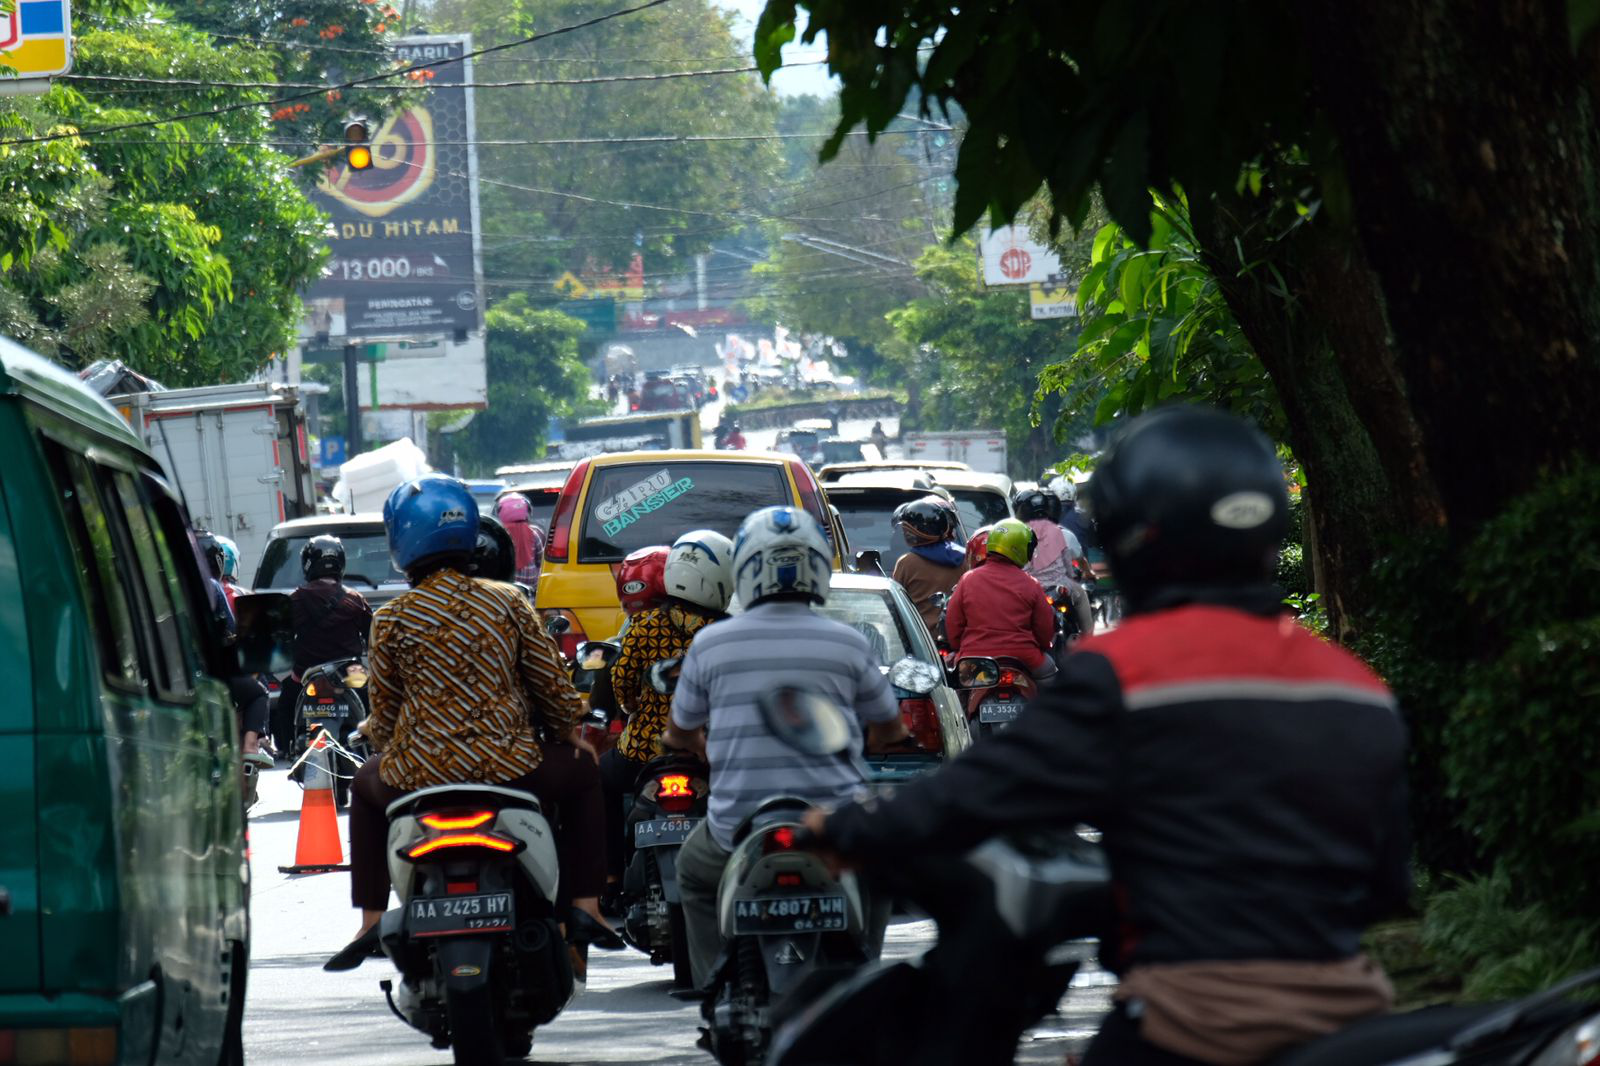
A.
x: 1248, y: 777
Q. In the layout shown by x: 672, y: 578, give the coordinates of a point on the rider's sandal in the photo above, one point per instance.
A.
x: 364, y: 947
x: 583, y: 929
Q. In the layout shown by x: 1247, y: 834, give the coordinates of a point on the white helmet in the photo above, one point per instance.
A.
x: 700, y: 569
x: 778, y: 550
x: 1064, y: 489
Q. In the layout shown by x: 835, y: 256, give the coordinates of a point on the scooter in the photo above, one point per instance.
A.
x: 785, y: 919
x: 671, y: 800
x: 476, y: 938
x: 332, y: 699
x: 591, y: 676
x: 996, y: 691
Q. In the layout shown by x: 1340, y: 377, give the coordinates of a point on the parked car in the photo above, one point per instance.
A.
x: 367, y: 566
x: 125, y: 934
x: 615, y: 503
x: 866, y: 503
x: 834, y: 471
x: 983, y: 499
x: 660, y: 394
x: 880, y: 609
x: 539, y: 484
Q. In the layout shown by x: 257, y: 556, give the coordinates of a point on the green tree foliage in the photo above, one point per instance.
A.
x: 534, y: 374
x: 976, y: 355
x: 160, y: 245
x: 560, y: 207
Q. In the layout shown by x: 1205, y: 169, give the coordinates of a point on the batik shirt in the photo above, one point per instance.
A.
x: 653, y: 635
x: 460, y: 672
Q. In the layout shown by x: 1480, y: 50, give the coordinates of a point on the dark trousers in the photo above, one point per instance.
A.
x: 567, y: 783
x: 618, y: 776
x: 1119, y: 1044
x: 283, y: 715
x: 250, y: 700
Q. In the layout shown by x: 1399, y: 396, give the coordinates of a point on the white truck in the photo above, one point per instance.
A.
x: 981, y: 449
x: 236, y: 452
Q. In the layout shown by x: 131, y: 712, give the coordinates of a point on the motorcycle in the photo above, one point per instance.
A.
x: 476, y: 938
x: 591, y: 676
x: 996, y: 690
x: 332, y: 700
x: 1067, y: 629
x: 785, y: 919
x: 670, y: 801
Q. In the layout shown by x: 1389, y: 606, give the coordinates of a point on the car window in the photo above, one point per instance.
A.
x: 872, y: 613
x: 979, y: 508
x: 366, y: 559
x: 541, y: 506
x: 174, y: 649
x: 639, y: 504
x: 868, y: 523
x: 103, y: 580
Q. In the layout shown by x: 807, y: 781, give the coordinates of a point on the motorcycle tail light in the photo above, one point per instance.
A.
x: 1007, y: 677
x: 463, y: 840
x: 780, y: 839
x: 456, y: 820
x: 460, y: 888
x: 922, y: 722
x: 788, y: 880
x: 674, y: 793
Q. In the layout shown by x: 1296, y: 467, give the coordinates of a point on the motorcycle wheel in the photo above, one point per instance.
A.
x: 474, y: 1035
x: 682, y: 974
x: 750, y: 987
x: 519, y: 1045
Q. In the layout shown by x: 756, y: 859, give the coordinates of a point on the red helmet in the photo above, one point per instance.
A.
x: 640, y: 581
x: 978, y: 547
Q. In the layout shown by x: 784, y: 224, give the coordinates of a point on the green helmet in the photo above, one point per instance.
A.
x: 1012, y: 538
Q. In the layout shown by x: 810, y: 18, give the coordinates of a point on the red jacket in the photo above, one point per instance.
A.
x: 999, y: 609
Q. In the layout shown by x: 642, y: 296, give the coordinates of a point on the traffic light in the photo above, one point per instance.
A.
x: 357, y: 146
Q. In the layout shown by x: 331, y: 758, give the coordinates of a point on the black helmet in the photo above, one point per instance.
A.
x: 495, y: 555
x: 1189, y: 496
x: 923, y: 521
x: 211, y: 550
x: 1029, y: 504
x: 323, y: 556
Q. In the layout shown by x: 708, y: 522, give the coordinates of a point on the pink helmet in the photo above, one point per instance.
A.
x: 512, y: 508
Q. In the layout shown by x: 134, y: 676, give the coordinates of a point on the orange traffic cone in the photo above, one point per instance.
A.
x: 317, y: 847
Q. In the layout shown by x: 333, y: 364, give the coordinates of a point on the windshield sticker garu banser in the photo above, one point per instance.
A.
x: 633, y: 503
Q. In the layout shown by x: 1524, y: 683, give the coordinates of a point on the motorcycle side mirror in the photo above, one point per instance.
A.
x: 556, y: 624
x: 664, y: 676
x: 915, y: 676
x: 806, y: 721
x: 870, y: 561
x: 593, y: 658
x: 940, y: 600
x: 977, y: 672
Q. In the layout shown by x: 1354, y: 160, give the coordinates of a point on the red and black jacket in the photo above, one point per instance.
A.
x: 1249, y: 780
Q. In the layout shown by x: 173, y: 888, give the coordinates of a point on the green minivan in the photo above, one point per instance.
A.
x: 124, y: 884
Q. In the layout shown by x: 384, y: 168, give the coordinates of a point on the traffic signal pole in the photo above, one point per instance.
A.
x: 352, y: 403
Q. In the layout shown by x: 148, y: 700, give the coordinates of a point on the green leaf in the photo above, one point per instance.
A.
x: 774, y: 29
x: 1582, y: 18
x: 1126, y: 182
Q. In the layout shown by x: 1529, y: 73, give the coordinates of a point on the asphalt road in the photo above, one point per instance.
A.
x: 296, y: 1013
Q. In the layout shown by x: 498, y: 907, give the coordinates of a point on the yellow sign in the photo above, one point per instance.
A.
x: 1052, y: 299
x: 36, y: 39
x: 569, y: 285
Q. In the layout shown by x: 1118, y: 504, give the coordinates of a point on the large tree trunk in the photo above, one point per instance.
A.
x: 1470, y: 149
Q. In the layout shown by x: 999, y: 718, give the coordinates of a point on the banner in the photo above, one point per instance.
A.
x: 1009, y: 256
x: 406, y: 263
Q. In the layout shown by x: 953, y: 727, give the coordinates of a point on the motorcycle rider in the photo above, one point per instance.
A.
x: 698, y: 579
x: 1057, y: 550
x: 251, y: 703
x: 781, y: 567
x: 735, y: 439
x: 998, y: 608
x: 935, y: 562
x: 513, y: 513
x: 1248, y: 777
x: 462, y: 677
x: 331, y: 621
x: 229, y: 569
x: 1074, y: 521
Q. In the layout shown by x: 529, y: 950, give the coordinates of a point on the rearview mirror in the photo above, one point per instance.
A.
x: 940, y: 600
x: 806, y: 721
x: 977, y: 672
x: 869, y: 561
x: 556, y: 624
x: 915, y: 676
x: 664, y: 676
x: 593, y: 658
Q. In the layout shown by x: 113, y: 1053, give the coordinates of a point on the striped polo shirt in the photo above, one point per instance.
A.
x: 775, y: 645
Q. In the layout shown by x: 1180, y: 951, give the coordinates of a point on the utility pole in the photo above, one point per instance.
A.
x: 352, y: 403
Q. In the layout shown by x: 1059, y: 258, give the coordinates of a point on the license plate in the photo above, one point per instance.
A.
x: 452, y: 915
x: 663, y: 832
x: 326, y: 710
x: 791, y: 914
x: 1000, y: 710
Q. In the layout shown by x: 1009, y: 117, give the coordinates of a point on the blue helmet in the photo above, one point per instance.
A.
x: 781, y: 550
x: 430, y: 515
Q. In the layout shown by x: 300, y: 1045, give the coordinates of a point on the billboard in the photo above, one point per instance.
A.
x: 404, y: 232
x: 1011, y: 257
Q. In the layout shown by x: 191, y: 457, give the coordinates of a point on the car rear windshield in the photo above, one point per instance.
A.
x: 868, y: 522
x: 871, y: 611
x: 640, y: 504
x: 979, y: 508
x: 366, y: 559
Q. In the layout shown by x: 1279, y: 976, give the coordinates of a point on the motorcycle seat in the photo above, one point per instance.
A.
x: 777, y: 810
x: 1389, y: 1037
x: 442, y: 797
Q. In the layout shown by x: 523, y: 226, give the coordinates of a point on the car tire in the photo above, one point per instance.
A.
x: 232, y: 1052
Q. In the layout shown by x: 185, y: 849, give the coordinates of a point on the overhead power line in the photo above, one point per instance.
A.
x: 199, y: 83
x: 663, y: 138
x: 145, y: 124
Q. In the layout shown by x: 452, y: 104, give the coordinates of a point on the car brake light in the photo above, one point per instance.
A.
x: 566, y: 508
x: 461, y: 840
x: 922, y: 722
x: 810, y: 497
x: 780, y: 839
x: 471, y: 820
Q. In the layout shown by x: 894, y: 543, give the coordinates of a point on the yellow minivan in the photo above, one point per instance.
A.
x: 616, y: 503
